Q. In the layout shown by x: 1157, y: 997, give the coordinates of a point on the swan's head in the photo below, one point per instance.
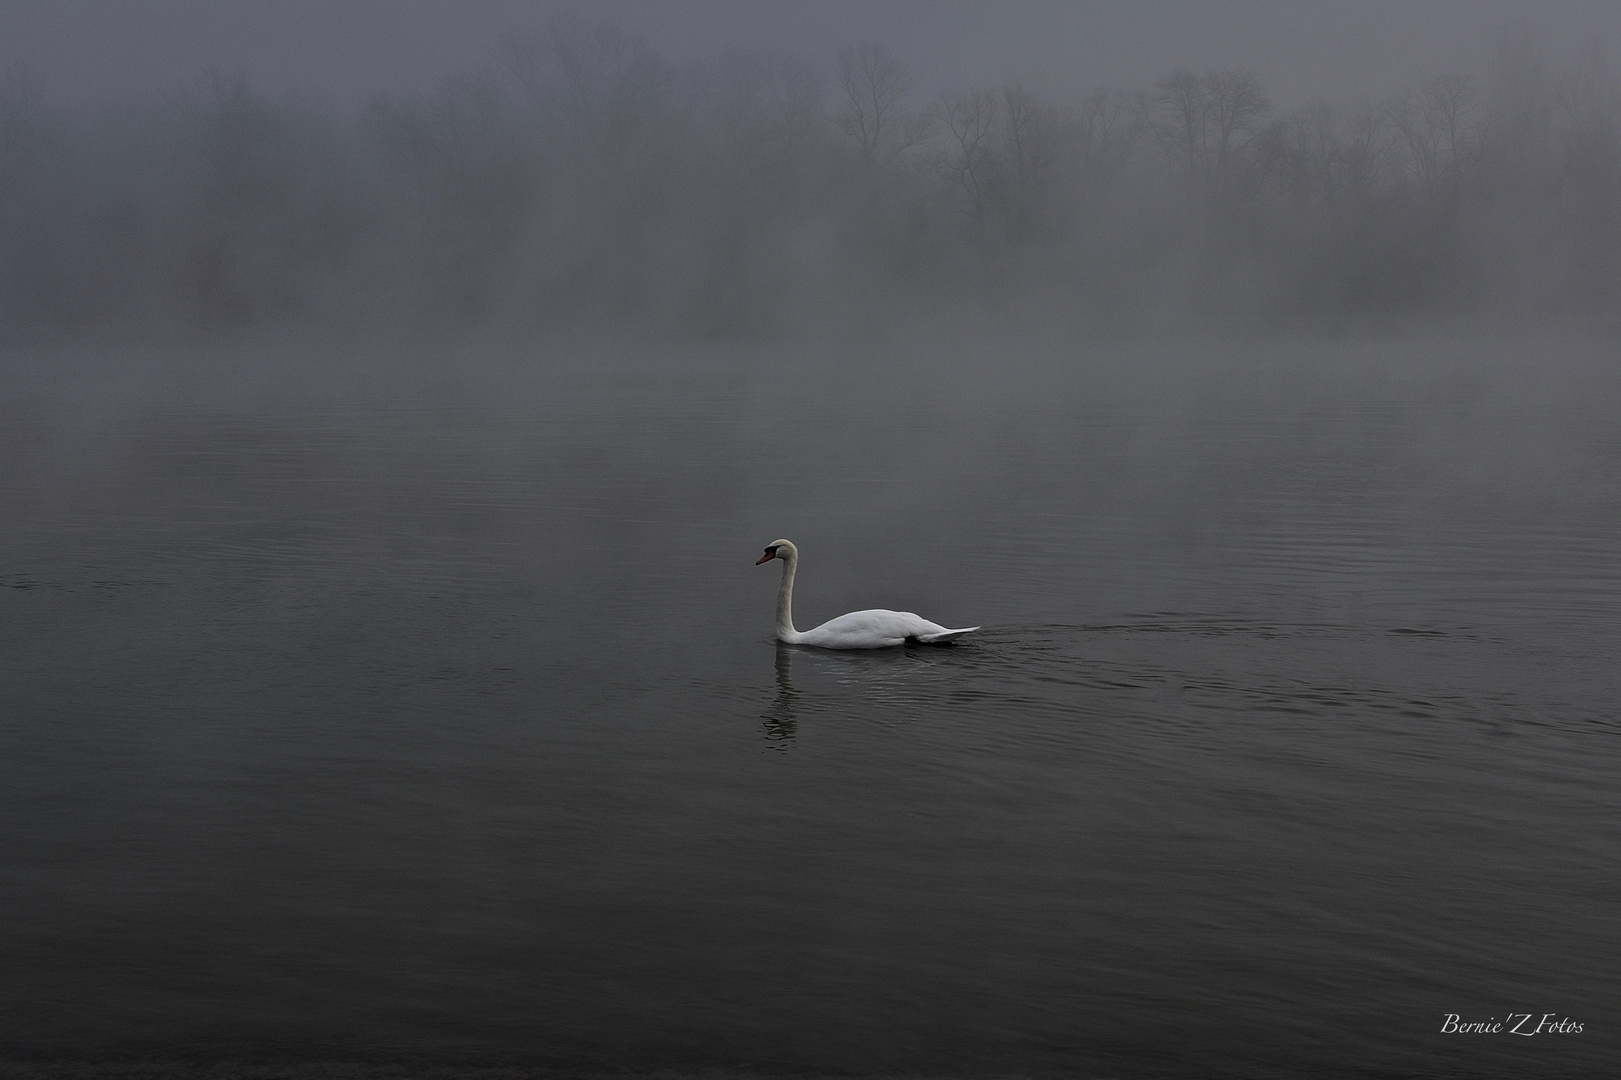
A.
x: 777, y: 549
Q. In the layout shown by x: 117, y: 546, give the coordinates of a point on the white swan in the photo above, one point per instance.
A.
x: 873, y: 629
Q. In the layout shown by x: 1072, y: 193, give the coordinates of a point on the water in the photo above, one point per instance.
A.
x: 439, y: 722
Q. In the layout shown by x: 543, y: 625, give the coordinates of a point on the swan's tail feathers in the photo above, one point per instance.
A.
x: 946, y: 635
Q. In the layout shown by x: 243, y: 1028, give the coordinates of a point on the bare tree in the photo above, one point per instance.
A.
x: 967, y: 157
x: 1108, y: 127
x: 873, y: 87
x: 1440, y: 133
x: 1180, y: 119
x: 1209, y: 123
x: 1030, y: 145
x: 1238, y: 108
x: 1366, y: 153
x: 1297, y: 154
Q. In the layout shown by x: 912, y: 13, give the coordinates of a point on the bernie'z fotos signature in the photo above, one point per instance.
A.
x: 1527, y: 1024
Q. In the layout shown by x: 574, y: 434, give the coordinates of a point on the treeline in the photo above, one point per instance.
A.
x: 581, y: 179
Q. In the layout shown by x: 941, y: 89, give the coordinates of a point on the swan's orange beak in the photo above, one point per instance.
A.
x: 770, y: 553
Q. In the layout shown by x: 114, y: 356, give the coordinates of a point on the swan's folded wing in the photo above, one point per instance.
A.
x: 873, y: 629
x: 877, y: 629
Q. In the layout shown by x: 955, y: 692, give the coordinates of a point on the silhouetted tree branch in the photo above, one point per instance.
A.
x: 873, y: 87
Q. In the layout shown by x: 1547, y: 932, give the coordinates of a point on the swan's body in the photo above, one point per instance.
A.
x: 875, y: 628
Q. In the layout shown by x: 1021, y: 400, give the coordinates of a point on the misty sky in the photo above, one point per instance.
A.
x: 86, y: 50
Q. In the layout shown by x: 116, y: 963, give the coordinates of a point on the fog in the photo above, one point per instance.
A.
x: 385, y: 448
x: 578, y: 180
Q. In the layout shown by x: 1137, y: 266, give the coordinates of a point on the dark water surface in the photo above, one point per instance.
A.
x: 442, y: 724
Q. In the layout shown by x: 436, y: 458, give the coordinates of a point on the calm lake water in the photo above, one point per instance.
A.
x: 347, y: 717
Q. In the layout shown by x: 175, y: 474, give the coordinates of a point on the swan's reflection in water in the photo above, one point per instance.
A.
x: 778, y: 723
x: 885, y: 685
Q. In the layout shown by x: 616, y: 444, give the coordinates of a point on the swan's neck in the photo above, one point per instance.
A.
x: 785, y: 600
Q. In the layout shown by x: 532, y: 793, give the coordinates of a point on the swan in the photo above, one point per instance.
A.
x: 872, y: 629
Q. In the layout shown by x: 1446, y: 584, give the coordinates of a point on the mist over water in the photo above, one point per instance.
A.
x: 581, y: 181
x: 387, y: 684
